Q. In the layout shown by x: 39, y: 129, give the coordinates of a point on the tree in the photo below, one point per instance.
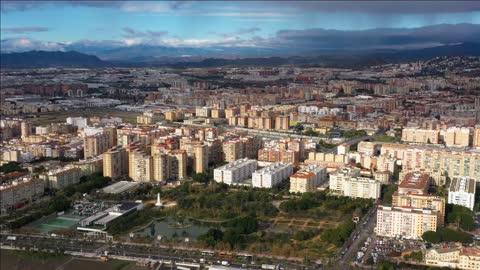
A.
x: 447, y: 235
x: 12, y: 167
x: 461, y: 217
x: 431, y: 237
x: 60, y: 203
x: 387, y: 193
x: 414, y: 256
x: 385, y: 266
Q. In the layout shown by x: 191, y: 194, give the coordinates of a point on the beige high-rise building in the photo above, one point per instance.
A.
x: 233, y: 150
x: 26, y: 128
x: 218, y: 113
x: 240, y: 148
x: 174, y: 116
x: 179, y: 164
x: 282, y: 122
x: 476, y: 136
x: 231, y: 112
x: 161, y: 171
x: 201, y: 152
x: 215, y: 154
x: 170, y: 165
x: 417, y: 135
x: 455, y: 136
x: 115, y: 162
x: 95, y: 145
x: 111, y: 134
x: 141, y: 166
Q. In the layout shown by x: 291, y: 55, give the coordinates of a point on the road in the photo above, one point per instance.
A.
x: 130, y: 250
x: 363, y: 230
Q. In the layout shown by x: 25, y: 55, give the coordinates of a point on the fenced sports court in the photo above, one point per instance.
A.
x: 57, y: 223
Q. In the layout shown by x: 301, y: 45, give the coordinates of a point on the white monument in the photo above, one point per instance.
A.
x: 159, y: 202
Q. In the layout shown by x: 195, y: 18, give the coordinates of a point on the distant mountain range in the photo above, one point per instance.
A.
x: 44, y: 59
x: 162, y: 58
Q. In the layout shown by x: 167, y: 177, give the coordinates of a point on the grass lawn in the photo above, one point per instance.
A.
x: 385, y: 138
x: 58, y: 117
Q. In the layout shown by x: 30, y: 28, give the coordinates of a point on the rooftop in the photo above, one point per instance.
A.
x: 462, y: 184
x: 415, y: 180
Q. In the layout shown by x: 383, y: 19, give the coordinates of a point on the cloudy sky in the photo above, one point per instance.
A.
x: 51, y: 25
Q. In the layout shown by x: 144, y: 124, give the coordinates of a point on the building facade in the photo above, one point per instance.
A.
x: 308, y: 179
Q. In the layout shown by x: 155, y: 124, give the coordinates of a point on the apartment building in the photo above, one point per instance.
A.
x: 326, y: 160
x: 466, y: 258
x: 272, y: 175
x: 413, y: 192
x: 115, y: 162
x: 476, y: 136
x: 235, y: 172
x: 347, y: 181
x: 201, y: 153
x: 95, y: 145
x: 416, y: 135
x: 203, y: 112
x: 141, y: 167
x: 457, y: 136
x: 282, y: 122
x: 174, y: 116
x: 63, y: 177
x: 452, y: 161
x: 19, y: 192
x: 170, y: 165
x: 26, y: 129
x: 308, y: 179
x: 240, y: 148
x: 368, y: 148
x: 462, y: 192
x: 405, y: 222
x: 278, y: 155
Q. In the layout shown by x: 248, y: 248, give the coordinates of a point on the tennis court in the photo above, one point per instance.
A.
x: 57, y: 224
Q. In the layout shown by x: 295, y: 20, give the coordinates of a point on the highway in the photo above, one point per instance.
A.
x: 128, y: 250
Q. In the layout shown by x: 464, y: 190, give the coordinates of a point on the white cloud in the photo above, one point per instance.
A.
x: 27, y: 44
x: 146, y: 6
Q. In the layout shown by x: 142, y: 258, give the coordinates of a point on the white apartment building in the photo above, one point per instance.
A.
x: 235, y: 172
x: 20, y: 191
x: 203, y: 112
x: 462, y: 192
x: 346, y: 181
x: 272, y: 175
x: 405, y: 222
x: 308, y: 179
x: 79, y: 122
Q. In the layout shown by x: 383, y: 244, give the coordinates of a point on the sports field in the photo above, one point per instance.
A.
x: 56, y: 224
